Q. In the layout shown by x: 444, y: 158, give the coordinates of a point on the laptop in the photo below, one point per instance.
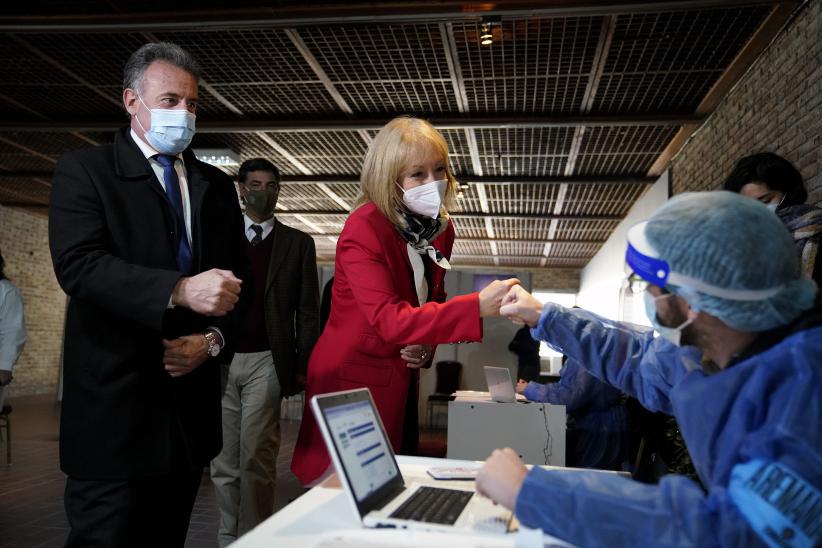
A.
x: 500, y: 385
x: 371, y: 478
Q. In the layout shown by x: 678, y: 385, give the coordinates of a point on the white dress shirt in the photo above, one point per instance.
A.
x: 149, y: 152
x: 268, y: 226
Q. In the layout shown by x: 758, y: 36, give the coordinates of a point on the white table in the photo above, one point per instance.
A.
x: 477, y: 426
x: 324, y: 517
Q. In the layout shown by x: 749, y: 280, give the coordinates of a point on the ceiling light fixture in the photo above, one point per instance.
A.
x: 486, y: 38
x: 217, y: 156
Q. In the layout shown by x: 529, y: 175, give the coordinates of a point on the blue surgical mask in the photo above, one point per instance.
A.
x: 773, y: 206
x: 171, y: 130
x: 673, y: 334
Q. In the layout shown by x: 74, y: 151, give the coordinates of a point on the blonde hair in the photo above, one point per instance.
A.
x: 392, y: 149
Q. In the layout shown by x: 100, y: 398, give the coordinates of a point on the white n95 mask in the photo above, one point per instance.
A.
x: 425, y: 199
x: 171, y: 130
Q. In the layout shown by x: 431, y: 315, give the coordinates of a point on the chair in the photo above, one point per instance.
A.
x: 448, y: 381
x: 5, y: 424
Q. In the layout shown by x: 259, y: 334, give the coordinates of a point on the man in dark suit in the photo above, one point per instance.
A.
x: 273, y: 345
x: 144, y: 239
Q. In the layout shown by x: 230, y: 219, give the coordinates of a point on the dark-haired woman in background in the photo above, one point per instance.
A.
x: 775, y: 182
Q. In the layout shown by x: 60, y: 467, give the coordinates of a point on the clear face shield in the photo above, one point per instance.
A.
x: 650, y: 269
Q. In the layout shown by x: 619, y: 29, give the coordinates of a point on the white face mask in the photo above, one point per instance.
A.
x: 425, y: 199
x: 673, y: 334
x: 171, y: 130
x: 773, y: 206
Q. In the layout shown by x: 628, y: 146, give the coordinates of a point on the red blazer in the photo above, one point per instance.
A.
x: 374, y: 313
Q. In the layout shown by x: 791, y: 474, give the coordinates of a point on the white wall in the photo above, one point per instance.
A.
x: 493, y: 350
x: 601, y: 279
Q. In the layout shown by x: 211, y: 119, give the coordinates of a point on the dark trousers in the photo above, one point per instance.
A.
x: 152, y: 511
x: 410, y: 424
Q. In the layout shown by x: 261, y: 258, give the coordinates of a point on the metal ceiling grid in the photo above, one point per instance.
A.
x: 469, y: 227
x: 21, y: 66
x: 385, y: 68
x: 654, y: 92
x: 534, y: 64
x: 397, y: 52
x: 325, y: 152
x: 524, y: 151
x: 467, y: 199
x: 622, y: 150
x: 72, y: 101
x: 346, y: 191
x: 24, y: 190
x: 247, y: 145
x: 325, y: 224
x: 573, y: 251
x: 565, y: 263
x: 601, y: 199
x: 585, y: 229
x: 52, y: 145
x: 471, y: 247
x: 666, y: 62
x: 251, y: 56
x: 399, y: 97
x: 459, y: 155
x: 681, y: 40
x: 523, y: 229
x: 529, y: 198
x: 303, y: 196
x: 72, y: 51
x: 528, y: 262
x: 525, y: 249
x: 267, y: 99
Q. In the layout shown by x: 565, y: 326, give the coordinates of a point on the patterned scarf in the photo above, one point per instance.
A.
x: 805, y: 224
x: 420, y: 232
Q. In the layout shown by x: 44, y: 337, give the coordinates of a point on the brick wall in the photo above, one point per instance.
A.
x: 776, y: 106
x: 563, y: 279
x: 24, y: 242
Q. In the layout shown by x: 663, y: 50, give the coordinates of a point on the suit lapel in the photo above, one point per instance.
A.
x: 280, y: 248
x: 131, y: 165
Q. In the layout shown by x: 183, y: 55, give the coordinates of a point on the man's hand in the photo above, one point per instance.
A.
x: 184, y: 355
x: 211, y: 293
x: 417, y: 355
x: 501, y: 477
x: 521, y: 307
x: 491, y: 296
x: 521, y: 384
x: 5, y: 377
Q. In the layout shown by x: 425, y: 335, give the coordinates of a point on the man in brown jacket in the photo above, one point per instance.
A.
x: 275, y: 340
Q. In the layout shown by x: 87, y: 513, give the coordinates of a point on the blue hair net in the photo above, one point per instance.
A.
x: 731, y: 242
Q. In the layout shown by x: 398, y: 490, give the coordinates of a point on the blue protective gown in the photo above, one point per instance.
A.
x: 753, y: 432
x: 599, y: 418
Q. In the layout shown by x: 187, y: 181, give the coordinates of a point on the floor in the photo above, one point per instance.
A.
x: 31, y: 489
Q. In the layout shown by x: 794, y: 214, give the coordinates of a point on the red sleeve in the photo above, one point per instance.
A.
x: 361, y: 253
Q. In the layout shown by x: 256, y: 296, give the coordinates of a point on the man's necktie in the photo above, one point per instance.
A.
x: 172, y: 183
x: 258, y: 235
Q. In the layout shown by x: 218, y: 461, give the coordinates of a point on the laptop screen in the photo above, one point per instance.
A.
x: 361, y: 447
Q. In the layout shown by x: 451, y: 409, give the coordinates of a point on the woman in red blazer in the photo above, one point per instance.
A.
x: 388, y: 306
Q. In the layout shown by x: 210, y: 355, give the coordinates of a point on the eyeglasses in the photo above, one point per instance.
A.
x: 637, y: 284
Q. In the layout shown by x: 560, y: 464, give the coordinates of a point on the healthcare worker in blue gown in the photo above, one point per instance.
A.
x: 739, y: 365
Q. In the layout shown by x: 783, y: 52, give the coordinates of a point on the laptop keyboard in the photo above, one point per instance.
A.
x: 434, y: 505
